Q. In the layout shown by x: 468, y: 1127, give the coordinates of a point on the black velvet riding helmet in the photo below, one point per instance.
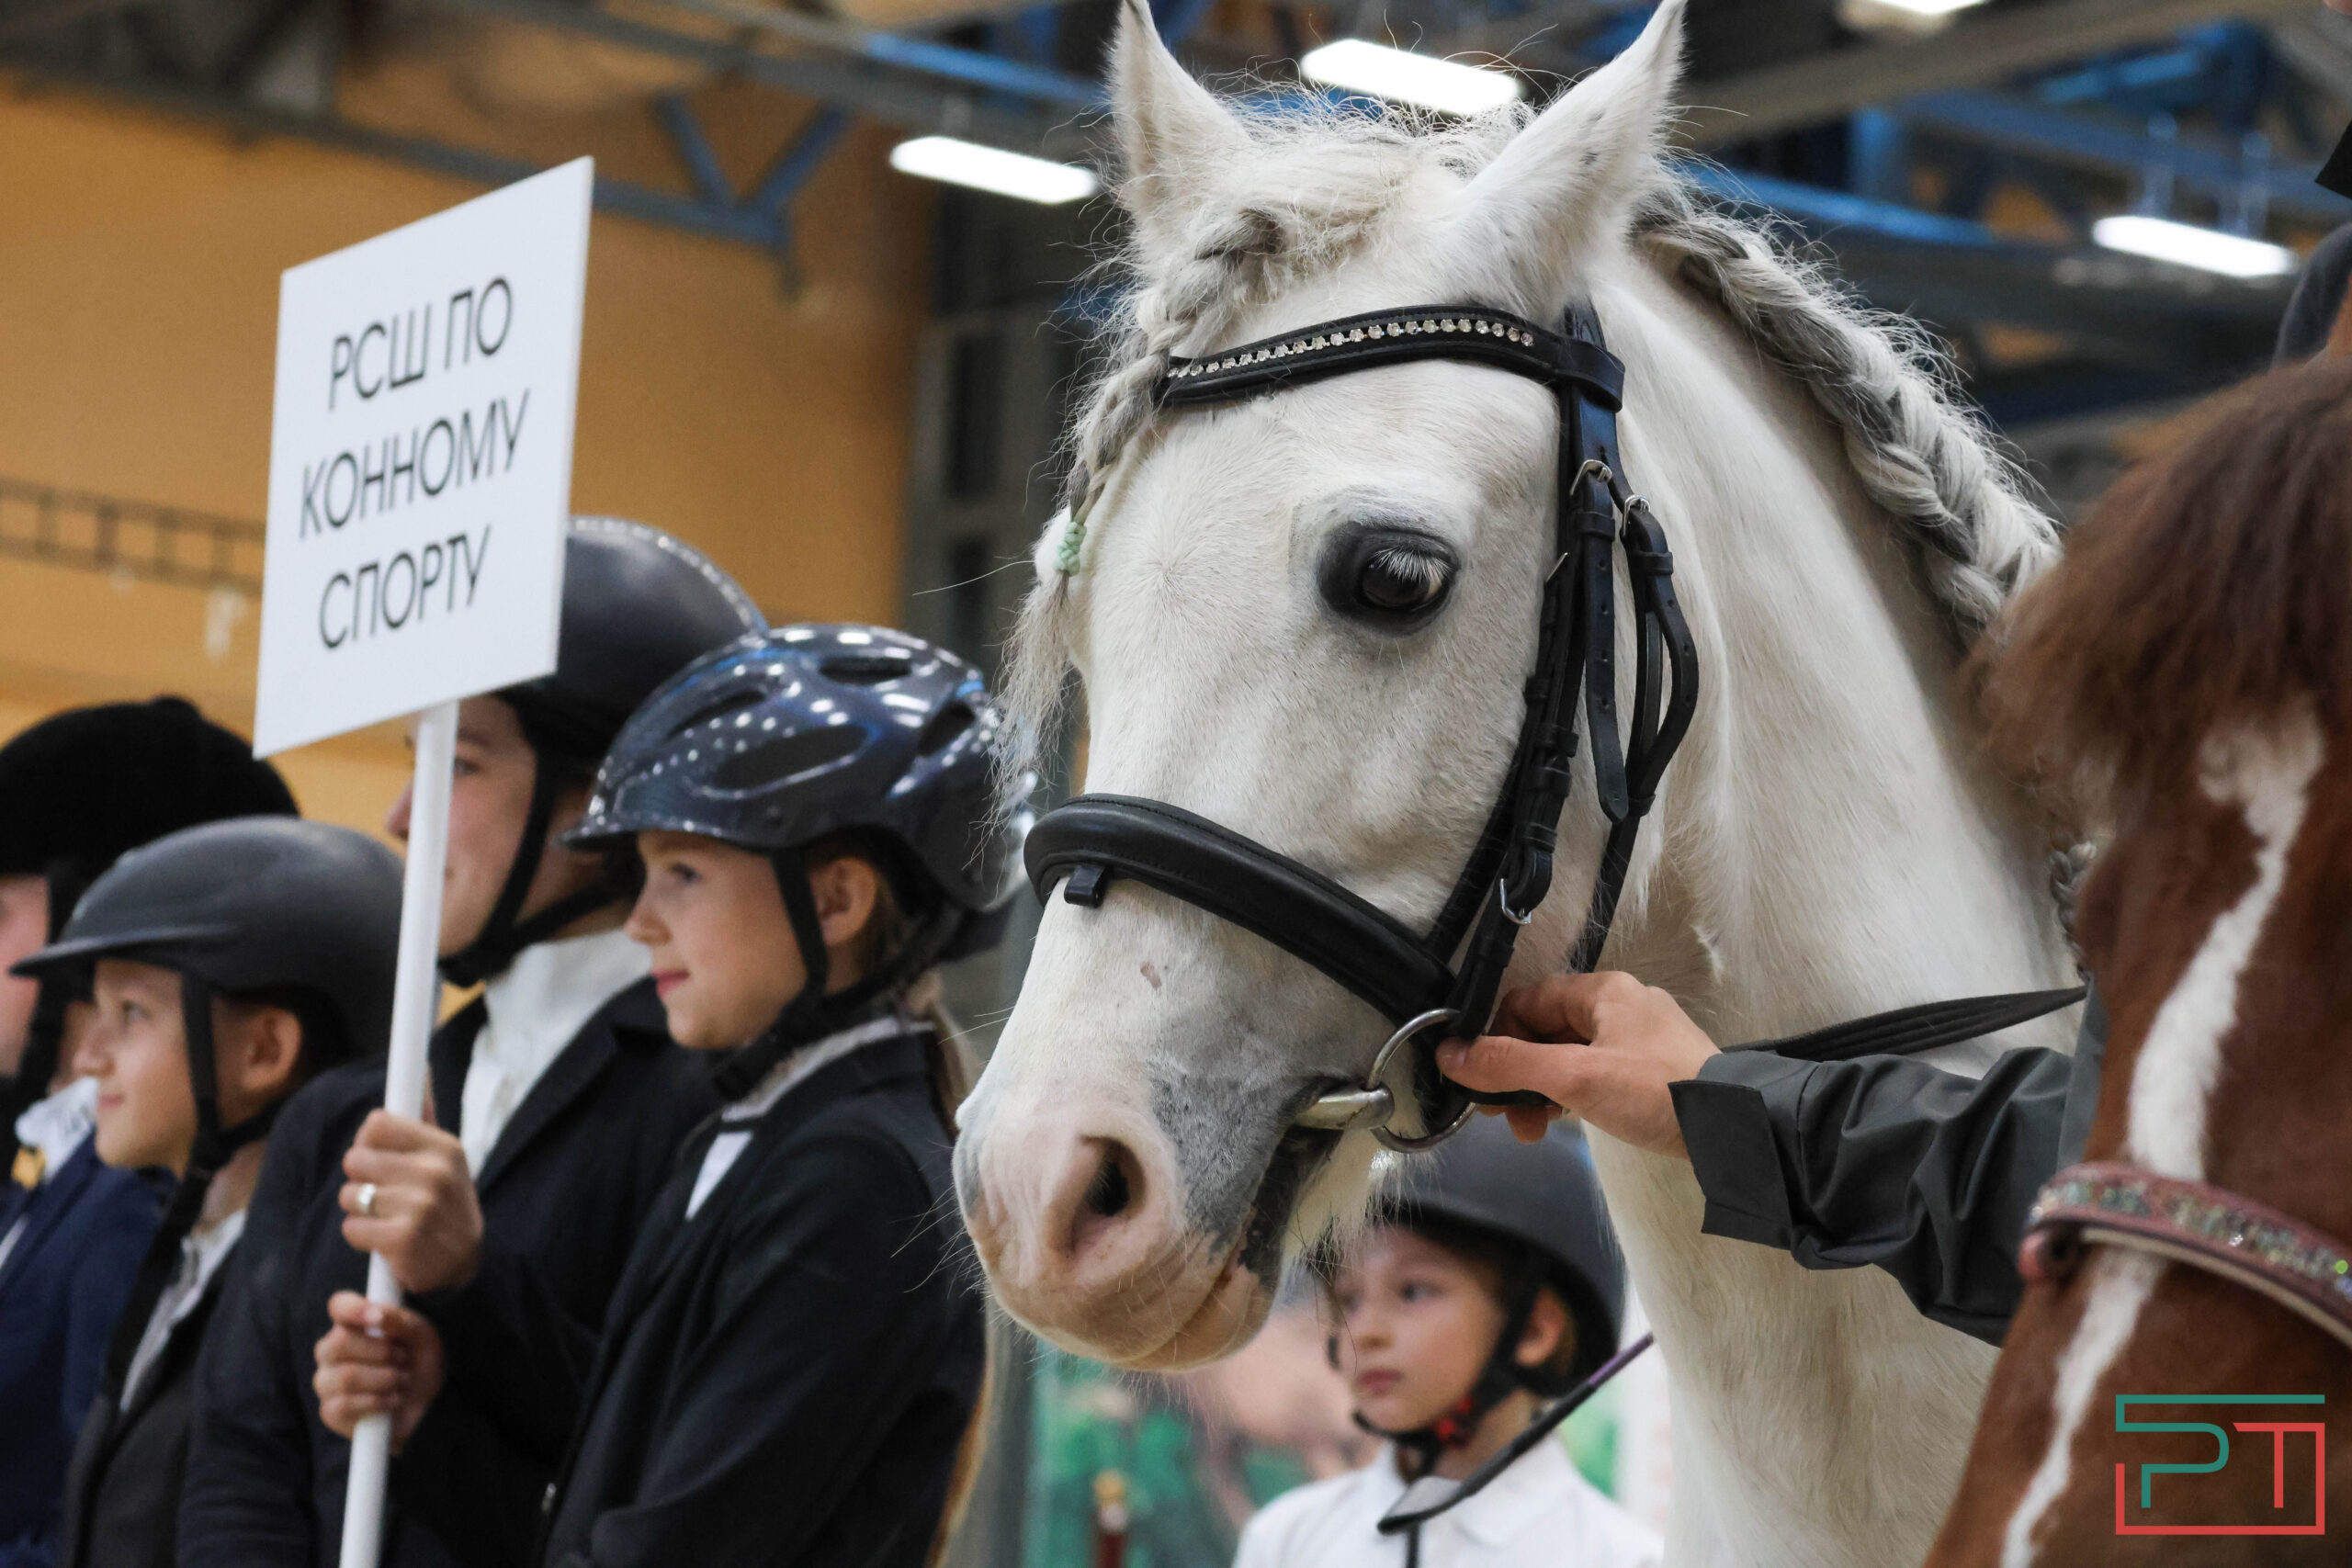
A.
x: 82, y: 786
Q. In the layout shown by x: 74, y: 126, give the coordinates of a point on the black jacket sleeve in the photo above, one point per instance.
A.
x: 507, y: 1338
x: 827, y: 1317
x: 246, y: 1498
x: 1888, y: 1161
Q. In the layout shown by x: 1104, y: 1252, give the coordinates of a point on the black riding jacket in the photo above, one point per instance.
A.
x: 562, y: 1195
x: 1889, y: 1161
x: 785, y: 1378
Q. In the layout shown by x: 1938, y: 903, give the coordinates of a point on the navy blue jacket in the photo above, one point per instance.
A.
x: 61, y: 1289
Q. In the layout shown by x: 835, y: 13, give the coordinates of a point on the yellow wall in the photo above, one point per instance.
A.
x: 139, y: 263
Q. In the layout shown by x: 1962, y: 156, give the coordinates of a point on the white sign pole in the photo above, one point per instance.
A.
x: 416, y: 994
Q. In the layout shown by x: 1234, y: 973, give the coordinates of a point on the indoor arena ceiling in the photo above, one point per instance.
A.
x: 1955, y: 173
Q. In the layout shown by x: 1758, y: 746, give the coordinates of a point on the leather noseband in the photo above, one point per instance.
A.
x: 1413, y: 979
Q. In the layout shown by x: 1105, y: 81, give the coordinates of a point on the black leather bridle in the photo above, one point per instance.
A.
x: 1412, y: 978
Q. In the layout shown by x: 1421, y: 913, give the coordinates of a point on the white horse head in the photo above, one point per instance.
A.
x: 1307, y: 617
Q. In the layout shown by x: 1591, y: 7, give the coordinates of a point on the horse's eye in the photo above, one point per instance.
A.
x: 1391, y: 580
x: 1402, y: 582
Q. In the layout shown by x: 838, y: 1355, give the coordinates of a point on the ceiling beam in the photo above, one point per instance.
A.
x: 878, y: 91
x: 1976, y: 51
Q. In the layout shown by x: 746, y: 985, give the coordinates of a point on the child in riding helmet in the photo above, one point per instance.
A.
x: 77, y: 791
x: 1491, y: 1281
x: 229, y: 963
x: 558, y: 1103
x: 791, y: 1367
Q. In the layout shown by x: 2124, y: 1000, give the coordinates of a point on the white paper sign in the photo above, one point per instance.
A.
x: 420, y: 462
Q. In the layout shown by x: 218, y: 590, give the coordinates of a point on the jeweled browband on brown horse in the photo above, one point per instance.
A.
x: 2207, y: 1227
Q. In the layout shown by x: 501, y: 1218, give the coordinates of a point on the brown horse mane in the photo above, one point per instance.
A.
x: 2211, y: 588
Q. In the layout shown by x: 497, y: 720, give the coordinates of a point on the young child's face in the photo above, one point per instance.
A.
x: 724, y: 957
x: 1415, y: 1324
x: 136, y: 1049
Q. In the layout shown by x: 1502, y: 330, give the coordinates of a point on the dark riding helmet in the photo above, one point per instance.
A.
x: 805, y: 732
x: 639, y: 605
x: 305, y: 914
x: 810, y: 730
x: 1543, y: 1202
x: 82, y: 786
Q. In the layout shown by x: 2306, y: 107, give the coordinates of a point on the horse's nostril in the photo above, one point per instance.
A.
x: 1107, y: 1195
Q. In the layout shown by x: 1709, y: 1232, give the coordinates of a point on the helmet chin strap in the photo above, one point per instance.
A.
x: 503, y: 936
x: 210, y: 1150
x: 813, y: 1013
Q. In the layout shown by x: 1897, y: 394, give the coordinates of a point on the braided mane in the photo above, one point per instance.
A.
x: 1328, y: 176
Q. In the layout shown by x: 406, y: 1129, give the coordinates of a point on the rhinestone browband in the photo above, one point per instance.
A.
x: 1428, y: 332
x: 2206, y: 1227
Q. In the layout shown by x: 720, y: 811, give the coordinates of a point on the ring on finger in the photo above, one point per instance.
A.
x: 366, y: 1201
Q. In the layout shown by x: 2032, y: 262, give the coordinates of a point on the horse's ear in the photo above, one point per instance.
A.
x: 1565, y: 181
x: 1173, y: 133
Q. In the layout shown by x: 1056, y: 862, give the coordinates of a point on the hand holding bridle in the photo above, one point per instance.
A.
x: 1604, y: 1045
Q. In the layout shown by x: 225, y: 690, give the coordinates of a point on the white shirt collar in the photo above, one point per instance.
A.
x: 57, y: 1125
x: 536, y: 1006
x: 735, y: 1134
x: 1538, y: 1482
x: 202, y: 1251
x: 796, y: 1068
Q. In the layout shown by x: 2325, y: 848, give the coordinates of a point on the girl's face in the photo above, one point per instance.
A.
x: 724, y: 956
x: 1415, y: 1324
x: 136, y: 1049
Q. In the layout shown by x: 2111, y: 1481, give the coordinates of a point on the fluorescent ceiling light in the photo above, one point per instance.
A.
x: 2188, y: 245
x: 992, y: 169
x: 1385, y: 73
x: 1928, y: 7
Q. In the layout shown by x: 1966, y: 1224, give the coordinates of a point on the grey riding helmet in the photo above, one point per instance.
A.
x: 810, y: 730
x: 304, y: 914
x: 1543, y: 1202
x: 638, y: 607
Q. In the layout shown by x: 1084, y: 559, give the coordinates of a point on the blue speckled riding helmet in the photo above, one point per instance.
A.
x: 798, y: 732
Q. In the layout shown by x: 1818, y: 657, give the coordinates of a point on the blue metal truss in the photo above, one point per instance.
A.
x: 762, y: 215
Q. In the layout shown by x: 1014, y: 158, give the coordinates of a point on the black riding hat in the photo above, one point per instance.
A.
x: 802, y: 732
x: 259, y: 903
x: 638, y: 607
x: 82, y: 786
x: 1544, y: 1203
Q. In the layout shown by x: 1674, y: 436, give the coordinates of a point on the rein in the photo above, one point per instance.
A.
x: 1411, y: 977
x: 2206, y: 1227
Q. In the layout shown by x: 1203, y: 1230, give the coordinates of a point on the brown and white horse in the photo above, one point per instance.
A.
x: 2190, y: 661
